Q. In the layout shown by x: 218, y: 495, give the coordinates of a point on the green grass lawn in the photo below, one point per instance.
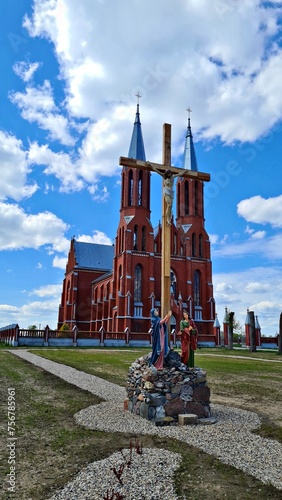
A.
x: 51, y: 448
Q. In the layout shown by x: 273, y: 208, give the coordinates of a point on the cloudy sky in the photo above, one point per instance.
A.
x: 70, y: 74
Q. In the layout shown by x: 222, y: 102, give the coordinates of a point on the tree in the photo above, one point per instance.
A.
x: 64, y: 327
x: 32, y: 327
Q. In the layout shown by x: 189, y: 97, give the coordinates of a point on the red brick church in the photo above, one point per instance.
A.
x: 115, y: 287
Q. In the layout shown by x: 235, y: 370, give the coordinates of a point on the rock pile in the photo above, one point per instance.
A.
x: 161, y: 395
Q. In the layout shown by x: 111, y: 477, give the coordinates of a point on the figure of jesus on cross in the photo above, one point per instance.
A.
x: 168, y: 174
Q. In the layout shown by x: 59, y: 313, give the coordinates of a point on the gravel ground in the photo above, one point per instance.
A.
x: 229, y: 439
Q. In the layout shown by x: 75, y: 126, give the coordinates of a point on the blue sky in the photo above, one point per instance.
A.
x: 70, y: 73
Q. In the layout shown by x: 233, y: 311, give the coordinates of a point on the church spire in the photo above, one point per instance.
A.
x: 189, y: 157
x: 136, y: 148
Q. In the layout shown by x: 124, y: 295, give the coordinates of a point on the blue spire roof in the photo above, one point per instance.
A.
x: 189, y: 157
x: 136, y: 148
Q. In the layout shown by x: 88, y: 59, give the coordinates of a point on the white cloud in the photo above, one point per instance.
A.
x: 258, y: 235
x: 14, y: 169
x: 29, y: 231
x: 97, y: 195
x: 59, y: 164
x: 258, y: 289
x: 41, y: 313
x: 261, y: 211
x: 25, y: 70
x: 37, y: 105
x: 47, y: 291
x: 222, y: 56
x: 97, y: 237
x: 60, y: 262
x: 271, y: 249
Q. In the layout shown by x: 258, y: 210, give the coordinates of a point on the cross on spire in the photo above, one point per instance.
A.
x: 138, y: 97
x: 189, y: 112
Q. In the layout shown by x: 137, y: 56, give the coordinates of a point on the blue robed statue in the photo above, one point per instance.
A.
x: 160, y: 344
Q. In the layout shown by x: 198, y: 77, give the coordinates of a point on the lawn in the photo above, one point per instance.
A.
x: 51, y: 448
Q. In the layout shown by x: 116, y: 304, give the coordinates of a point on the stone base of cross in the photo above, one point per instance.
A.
x: 163, y: 169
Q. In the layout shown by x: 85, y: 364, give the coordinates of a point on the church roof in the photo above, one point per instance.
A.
x: 136, y: 148
x: 93, y: 255
x: 189, y: 161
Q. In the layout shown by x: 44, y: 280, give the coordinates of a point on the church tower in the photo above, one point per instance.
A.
x: 115, y: 287
x: 194, y: 238
x: 133, y: 261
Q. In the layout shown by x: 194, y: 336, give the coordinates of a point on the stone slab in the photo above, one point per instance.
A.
x: 187, y: 419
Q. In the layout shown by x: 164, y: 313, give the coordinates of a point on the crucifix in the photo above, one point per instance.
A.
x: 168, y: 172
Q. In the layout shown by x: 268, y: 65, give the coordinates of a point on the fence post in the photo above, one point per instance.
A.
x: 46, y: 336
x: 127, y: 332
x: 280, y: 336
x: 102, y: 333
x: 150, y: 331
x: 230, y: 329
x: 253, y: 346
x: 173, y: 338
x: 16, y: 336
x: 74, y: 339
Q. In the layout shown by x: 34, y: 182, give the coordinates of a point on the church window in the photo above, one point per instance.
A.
x: 143, y: 238
x: 186, y: 198
x: 181, y: 250
x: 174, y: 244
x: 120, y: 241
x: 119, y: 277
x: 155, y: 247
x: 68, y: 293
x: 123, y: 189
x: 140, y: 188
x: 201, y: 245
x: 196, y: 198
x: 193, y: 245
x: 197, y: 288
x: 135, y: 238
x: 178, y: 199
x: 130, y: 188
x: 137, y: 283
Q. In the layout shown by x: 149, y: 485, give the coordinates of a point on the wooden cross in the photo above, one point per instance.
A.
x: 163, y: 169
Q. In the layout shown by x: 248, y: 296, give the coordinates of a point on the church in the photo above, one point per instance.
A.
x: 116, y: 286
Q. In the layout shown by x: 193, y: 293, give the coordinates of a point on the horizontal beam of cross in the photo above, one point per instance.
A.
x: 146, y: 165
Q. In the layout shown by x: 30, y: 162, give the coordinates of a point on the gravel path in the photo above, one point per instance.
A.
x: 230, y: 440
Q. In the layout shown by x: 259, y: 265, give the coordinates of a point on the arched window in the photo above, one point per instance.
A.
x: 119, y: 277
x: 196, y: 197
x: 201, y: 245
x: 178, y: 199
x: 186, y: 198
x: 123, y: 189
x: 193, y: 245
x: 138, y: 283
x: 135, y: 238
x: 143, y: 238
x: 130, y: 188
x: 120, y: 241
x: 140, y: 188
x: 181, y: 250
x: 197, y: 288
x: 174, y: 244
x: 155, y: 247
